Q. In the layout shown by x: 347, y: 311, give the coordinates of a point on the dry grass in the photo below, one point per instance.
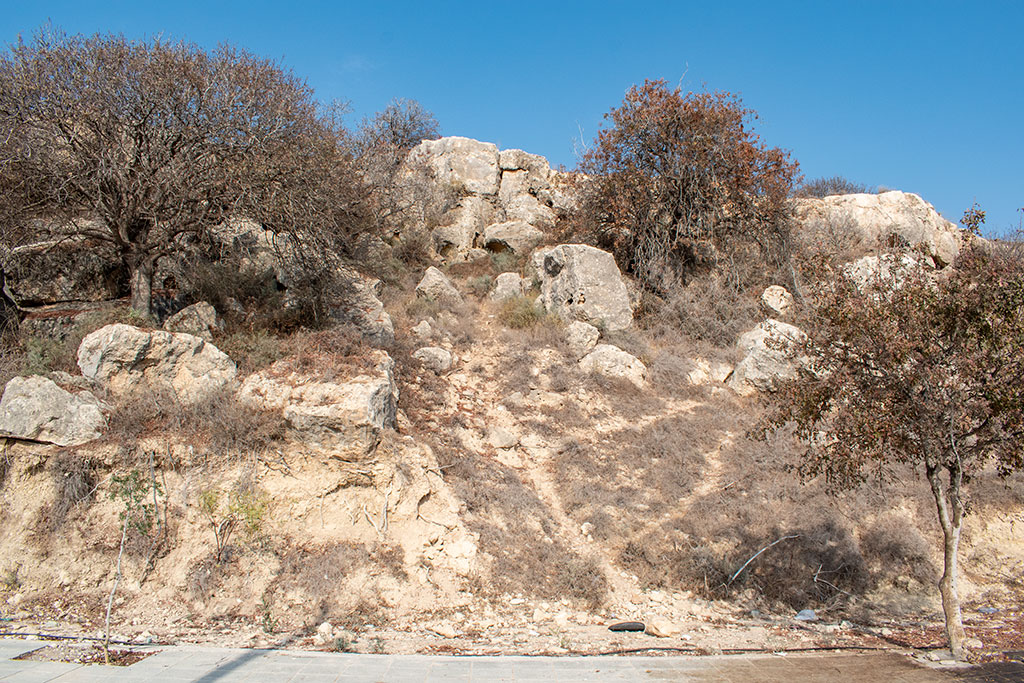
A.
x: 74, y: 479
x: 516, y: 529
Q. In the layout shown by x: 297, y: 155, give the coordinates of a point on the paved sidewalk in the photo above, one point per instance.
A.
x: 222, y: 665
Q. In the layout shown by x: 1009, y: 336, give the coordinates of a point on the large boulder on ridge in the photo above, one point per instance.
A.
x: 468, y: 165
x: 37, y: 408
x: 874, y: 219
x: 580, y: 282
x: 126, y: 359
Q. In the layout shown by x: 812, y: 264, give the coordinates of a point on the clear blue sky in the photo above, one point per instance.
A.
x: 926, y: 97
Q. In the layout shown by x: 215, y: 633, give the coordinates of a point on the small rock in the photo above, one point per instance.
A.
x: 502, y: 438
x: 581, y: 338
x: 435, y: 286
x: 973, y: 644
x: 434, y: 358
x: 662, y: 628
x: 507, y: 286
x: 611, y: 361
x: 627, y: 626
x: 586, y: 528
x: 200, y: 319
x: 988, y: 610
x: 444, y: 629
x: 806, y: 615
x: 777, y: 300
x: 422, y: 330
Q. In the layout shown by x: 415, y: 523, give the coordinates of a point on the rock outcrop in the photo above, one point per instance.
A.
x: 343, y: 416
x: 199, y: 319
x: 37, y: 408
x: 873, y: 219
x: 360, y: 306
x: 580, y: 282
x: 770, y: 355
x: 126, y: 359
x: 611, y: 361
x: 435, y: 286
x: 518, y: 237
x: 72, y: 269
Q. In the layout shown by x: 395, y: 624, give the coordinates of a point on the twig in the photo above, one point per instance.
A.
x: 755, y: 556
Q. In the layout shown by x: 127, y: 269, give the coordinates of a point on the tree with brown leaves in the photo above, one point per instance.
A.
x: 915, y: 370
x: 141, y: 144
x: 680, y: 181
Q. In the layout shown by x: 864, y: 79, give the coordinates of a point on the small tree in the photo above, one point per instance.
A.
x: 680, y: 181
x: 919, y: 371
x: 141, y: 144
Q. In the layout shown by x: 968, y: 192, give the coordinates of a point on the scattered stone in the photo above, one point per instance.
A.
x: 777, y: 300
x: 507, y: 286
x: 580, y: 282
x: 611, y: 361
x: 581, y: 338
x: 500, y: 437
x: 435, y: 286
x: 199, y: 319
x: 422, y: 330
x: 37, y: 408
x: 973, y: 644
x: 988, y: 610
x: 806, y: 615
x: 434, y: 358
x: 324, y: 633
x: 662, y: 628
x: 125, y: 358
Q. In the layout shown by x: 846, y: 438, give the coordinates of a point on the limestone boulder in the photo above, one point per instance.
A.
x: 611, y: 361
x: 435, y: 286
x: 344, y: 415
x: 884, y: 272
x: 771, y: 354
x: 37, y: 408
x: 434, y: 358
x: 776, y: 300
x: 518, y: 160
x: 456, y: 237
x: 125, y: 359
x: 358, y: 304
x: 581, y: 337
x: 200, y: 319
x: 469, y: 165
x: 580, y: 282
x: 507, y: 286
x: 873, y: 219
x: 517, y: 237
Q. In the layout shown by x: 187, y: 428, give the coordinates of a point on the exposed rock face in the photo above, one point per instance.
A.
x: 199, y: 319
x: 770, y: 356
x: 581, y: 338
x: 434, y: 358
x: 343, y: 416
x: 580, y: 282
x: 463, y: 162
x: 361, y: 307
x: 777, y: 300
x: 73, y: 269
x: 873, y: 218
x: 507, y: 286
x: 490, y: 188
x: 518, y: 237
x: 887, y: 271
x: 435, y: 286
x: 611, y: 361
x: 36, y: 408
x: 125, y: 358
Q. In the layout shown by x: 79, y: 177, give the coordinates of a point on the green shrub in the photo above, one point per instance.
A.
x: 520, y: 313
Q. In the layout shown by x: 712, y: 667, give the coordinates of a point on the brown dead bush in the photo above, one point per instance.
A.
x: 895, y: 547
x: 75, y: 478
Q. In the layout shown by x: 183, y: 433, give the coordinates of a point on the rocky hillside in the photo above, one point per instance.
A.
x: 484, y: 450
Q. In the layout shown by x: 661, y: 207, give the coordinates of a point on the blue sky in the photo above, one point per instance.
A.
x: 926, y: 97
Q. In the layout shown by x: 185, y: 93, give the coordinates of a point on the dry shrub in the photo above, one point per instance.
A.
x: 709, y: 308
x: 217, y: 425
x: 520, y: 313
x: 327, y: 354
x: 74, y: 480
x: 322, y: 575
x: 253, y: 350
x: 895, y: 547
x: 517, y: 531
x: 826, y: 187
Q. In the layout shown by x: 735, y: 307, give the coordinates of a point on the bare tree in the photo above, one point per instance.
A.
x: 910, y: 372
x: 140, y: 144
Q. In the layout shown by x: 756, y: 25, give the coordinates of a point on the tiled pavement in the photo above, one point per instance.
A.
x: 221, y: 665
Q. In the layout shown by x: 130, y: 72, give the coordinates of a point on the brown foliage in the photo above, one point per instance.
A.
x: 680, y: 182
x: 140, y: 144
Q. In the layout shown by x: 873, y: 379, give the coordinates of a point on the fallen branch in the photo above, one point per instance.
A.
x: 758, y: 553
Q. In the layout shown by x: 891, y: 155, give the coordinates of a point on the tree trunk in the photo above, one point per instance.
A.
x: 142, y: 286
x: 951, y: 514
